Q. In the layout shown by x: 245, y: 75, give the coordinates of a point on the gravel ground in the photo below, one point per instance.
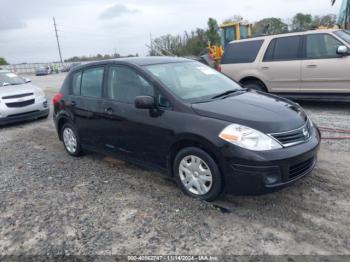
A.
x: 51, y: 203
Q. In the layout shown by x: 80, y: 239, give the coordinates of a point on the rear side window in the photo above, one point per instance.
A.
x: 91, y: 83
x: 76, y: 83
x: 242, y: 52
x: 283, y: 49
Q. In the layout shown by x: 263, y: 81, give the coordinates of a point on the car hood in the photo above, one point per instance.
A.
x: 17, y: 89
x: 264, y: 112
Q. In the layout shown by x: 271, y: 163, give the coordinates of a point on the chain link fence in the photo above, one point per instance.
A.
x: 30, y: 67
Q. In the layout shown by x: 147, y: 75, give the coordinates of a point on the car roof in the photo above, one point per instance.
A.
x: 268, y: 37
x: 138, y: 61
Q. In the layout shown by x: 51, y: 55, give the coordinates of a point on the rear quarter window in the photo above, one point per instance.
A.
x: 242, y: 52
x: 76, y: 83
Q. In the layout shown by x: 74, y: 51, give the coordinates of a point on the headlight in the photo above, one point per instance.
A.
x: 248, y: 138
x: 39, y: 93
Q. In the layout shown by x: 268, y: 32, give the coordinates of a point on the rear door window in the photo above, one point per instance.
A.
x: 91, y: 83
x: 241, y: 52
x: 284, y: 49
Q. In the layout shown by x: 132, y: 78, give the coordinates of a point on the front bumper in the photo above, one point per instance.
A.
x: 17, y: 114
x: 264, y: 172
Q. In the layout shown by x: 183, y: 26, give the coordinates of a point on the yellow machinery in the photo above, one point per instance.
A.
x: 229, y: 32
x: 235, y: 31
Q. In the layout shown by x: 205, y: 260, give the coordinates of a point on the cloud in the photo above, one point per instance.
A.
x: 16, y: 14
x: 10, y: 23
x: 117, y: 10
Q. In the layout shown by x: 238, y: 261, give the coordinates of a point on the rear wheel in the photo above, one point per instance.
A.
x: 254, y: 84
x: 71, y: 140
x: 197, y: 174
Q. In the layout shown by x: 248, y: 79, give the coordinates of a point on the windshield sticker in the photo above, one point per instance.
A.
x: 12, y: 75
x: 207, y: 71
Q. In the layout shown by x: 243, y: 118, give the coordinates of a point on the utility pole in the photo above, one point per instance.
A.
x: 58, y: 42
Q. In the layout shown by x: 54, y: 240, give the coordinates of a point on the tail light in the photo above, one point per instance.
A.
x: 56, y: 99
x: 218, y: 68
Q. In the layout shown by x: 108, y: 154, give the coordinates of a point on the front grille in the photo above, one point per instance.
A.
x: 20, y: 104
x: 294, y: 137
x: 301, y: 168
x: 17, y: 96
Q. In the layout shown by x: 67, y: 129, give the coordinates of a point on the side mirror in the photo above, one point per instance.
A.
x: 5, y: 84
x: 27, y: 80
x: 144, y: 102
x: 342, y: 50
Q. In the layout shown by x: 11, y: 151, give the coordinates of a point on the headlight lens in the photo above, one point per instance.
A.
x: 39, y: 93
x: 248, y: 138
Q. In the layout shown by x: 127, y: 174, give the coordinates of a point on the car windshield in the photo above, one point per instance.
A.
x: 192, y: 80
x: 345, y: 35
x: 10, y: 79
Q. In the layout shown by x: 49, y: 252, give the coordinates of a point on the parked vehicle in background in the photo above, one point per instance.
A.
x: 65, y: 69
x: 20, y: 100
x: 187, y: 119
x: 72, y: 65
x: 44, y: 70
x: 313, y: 64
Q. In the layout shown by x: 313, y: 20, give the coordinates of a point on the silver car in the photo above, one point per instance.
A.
x: 43, y: 71
x: 20, y: 100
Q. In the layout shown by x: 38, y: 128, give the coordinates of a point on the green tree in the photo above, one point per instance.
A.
x: 270, y: 26
x: 198, y: 41
x: 3, y: 61
x: 302, y: 22
x: 329, y: 20
x: 213, y: 34
x: 189, y: 44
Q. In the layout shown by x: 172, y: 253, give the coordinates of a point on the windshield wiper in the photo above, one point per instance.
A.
x: 229, y: 92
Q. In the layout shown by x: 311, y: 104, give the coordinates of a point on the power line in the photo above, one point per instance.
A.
x: 58, y: 42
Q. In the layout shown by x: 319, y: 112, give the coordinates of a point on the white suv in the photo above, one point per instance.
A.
x: 313, y: 64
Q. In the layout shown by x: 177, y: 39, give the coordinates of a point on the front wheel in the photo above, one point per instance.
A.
x: 197, y: 174
x: 71, y: 140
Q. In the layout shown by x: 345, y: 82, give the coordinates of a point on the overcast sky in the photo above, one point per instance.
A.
x: 88, y: 27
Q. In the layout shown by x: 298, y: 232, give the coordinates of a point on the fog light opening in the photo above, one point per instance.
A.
x: 271, y: 179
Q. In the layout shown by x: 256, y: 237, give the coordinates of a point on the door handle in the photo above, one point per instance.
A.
x: 265, y: 68
x: 109, y: 111
x: 311, y: 66
x: 73, y: 103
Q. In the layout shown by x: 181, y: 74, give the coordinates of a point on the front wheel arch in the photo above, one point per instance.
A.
x: 190, y: 141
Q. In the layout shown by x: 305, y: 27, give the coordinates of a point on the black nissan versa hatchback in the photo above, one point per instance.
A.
x: 184, y: 118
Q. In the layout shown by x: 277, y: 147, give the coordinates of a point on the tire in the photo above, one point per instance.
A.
x: 254, y: 84
x: 191, y: 166
x: 71, y: 140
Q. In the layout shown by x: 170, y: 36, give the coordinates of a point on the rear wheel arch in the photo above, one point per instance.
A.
x: 60, y: 124
x: 252, y: 79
